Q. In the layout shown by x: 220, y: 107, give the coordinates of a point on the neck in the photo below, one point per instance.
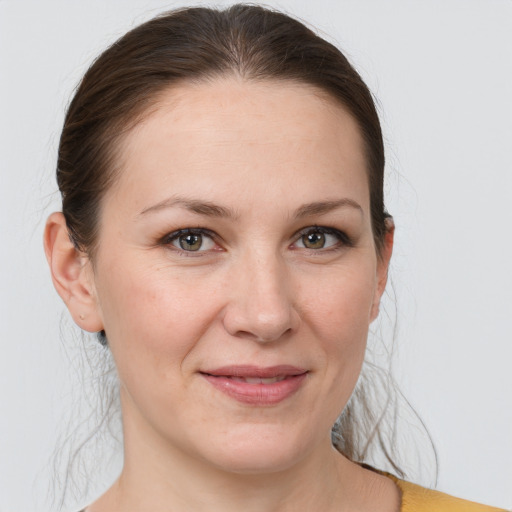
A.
x: 158, y: 475
x: 171, y: 480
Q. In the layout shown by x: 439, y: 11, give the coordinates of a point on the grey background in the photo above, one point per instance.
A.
x: 442, y: 72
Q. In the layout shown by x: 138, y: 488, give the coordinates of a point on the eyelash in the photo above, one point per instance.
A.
x: 343, y: 239
x: 175, y: 235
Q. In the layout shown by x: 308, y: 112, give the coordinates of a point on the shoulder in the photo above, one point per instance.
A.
x: 419, y: 499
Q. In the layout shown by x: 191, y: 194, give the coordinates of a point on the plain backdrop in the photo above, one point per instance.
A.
x: 442, y: 73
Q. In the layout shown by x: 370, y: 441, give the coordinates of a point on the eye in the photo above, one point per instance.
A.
x: 191, y: 240
x: 321, y: 238
x: 314, y: 240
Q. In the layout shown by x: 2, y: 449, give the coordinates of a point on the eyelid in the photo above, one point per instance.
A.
x: 188, y: 231
x: 344, y: 239
x: 171, y: 237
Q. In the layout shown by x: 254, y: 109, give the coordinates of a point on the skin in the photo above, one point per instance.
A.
x: 255, y: 293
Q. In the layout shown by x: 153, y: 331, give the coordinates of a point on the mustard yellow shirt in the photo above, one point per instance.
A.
x: 418, y: 499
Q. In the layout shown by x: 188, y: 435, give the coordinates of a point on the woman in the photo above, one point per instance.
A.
x: 224, y: 231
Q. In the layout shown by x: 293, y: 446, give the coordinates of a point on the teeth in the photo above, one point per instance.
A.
x: 258, y: 380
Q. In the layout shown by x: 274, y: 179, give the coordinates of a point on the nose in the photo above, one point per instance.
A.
x: 261, y: 305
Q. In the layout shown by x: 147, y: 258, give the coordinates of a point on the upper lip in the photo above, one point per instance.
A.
x: 250, y: 371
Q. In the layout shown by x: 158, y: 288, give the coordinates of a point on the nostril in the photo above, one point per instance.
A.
x: 264, y: 336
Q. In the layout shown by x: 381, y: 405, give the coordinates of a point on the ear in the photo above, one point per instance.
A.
x: 72, y: 274
x: 383, y: 259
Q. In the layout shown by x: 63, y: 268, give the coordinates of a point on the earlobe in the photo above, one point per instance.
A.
x: 383, y: 265
x: 71, y: 274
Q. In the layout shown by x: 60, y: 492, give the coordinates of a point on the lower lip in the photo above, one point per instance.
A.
x: 257, y: 394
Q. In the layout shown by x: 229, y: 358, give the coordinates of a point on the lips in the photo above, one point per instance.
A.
x: 258, y: 380
x: 257, y: 385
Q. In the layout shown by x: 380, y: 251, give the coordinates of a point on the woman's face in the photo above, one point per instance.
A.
x: 236, y: 274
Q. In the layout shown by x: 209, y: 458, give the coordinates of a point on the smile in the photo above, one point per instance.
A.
x: 256, y: 380
x: 257, y: 386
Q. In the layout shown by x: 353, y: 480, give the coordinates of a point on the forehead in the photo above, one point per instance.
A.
x: 231, y: 133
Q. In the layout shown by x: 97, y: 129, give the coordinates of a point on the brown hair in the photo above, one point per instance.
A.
x: 196, y: 44
x: 200, y: 44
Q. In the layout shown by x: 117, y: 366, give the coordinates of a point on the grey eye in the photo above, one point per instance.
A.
x: 314, y: 240
x: 318, y: 238
x: 190, y: 242
x: 193, y: 242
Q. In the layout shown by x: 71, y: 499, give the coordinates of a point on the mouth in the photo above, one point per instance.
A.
x: 257, y: 386
x: 258, y: 380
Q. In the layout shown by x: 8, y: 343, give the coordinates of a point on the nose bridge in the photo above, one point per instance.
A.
x: 261, y: 307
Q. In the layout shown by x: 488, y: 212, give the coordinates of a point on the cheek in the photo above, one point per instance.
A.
x: 340, y: 317
x: 342, y: 305
x: 152, y: 318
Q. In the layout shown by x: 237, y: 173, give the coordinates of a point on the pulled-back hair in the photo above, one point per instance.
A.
x: 199, y: 45
x: 191, y: 45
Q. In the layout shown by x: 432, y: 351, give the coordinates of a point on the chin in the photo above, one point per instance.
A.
x: 258, y: 451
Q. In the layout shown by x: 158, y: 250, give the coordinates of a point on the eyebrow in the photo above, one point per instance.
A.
x: 322, y: 207
x: 206, y: 208
x: 210, y: 209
